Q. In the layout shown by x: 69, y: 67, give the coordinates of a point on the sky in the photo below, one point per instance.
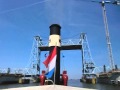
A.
x: 21, y: 20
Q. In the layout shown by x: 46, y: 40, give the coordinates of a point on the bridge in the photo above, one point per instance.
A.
x: 33, y: 69
x: 38, y: 45
x: 88, y: 66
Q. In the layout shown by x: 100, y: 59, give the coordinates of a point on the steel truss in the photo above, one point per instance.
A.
x: 34, y: 66
x: 87, y: 61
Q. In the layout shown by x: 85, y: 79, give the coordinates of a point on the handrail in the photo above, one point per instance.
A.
x: 48, y: 80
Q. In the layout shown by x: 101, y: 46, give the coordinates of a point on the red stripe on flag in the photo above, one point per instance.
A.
x: 50, y: 57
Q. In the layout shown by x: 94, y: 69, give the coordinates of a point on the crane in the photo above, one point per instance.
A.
x: 111, y: 60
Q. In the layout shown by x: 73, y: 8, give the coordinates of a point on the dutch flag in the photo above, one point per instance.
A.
x: 50, y: 63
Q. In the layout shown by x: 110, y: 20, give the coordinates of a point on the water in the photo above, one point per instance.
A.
x: 74, y: 83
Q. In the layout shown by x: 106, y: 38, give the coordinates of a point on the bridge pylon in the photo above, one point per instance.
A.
x: 34, y: 65
x: 87, y: 62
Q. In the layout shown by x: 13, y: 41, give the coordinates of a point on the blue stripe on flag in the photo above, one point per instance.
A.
x: 49, y: 74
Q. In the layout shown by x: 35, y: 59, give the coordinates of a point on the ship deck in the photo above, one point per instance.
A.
x: 49, y: 87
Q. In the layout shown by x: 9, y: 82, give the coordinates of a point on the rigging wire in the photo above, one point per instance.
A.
x: 23, y: 7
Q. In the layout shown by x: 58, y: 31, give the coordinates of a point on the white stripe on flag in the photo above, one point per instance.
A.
x: 52, y: 63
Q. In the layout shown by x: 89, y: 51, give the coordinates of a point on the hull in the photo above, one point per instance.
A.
x: 112, y: 77
x: 9, y: 78
x: 89, y: 80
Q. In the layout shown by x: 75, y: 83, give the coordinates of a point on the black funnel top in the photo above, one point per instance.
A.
x: 55, y: 29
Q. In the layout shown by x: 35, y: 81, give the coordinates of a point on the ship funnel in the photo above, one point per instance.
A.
x: 104, y: 68
x: 54, y: 38
x: 55, y: 41
x: 116, y: 68
x: 55, y: 29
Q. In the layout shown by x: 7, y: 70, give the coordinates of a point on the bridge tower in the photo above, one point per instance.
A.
x: 35, y: 57
x: 87, y: 61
